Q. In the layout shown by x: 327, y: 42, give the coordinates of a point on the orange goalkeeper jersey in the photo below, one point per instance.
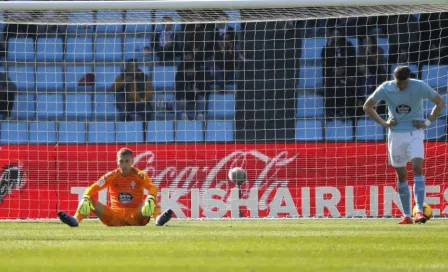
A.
x: 124, y: 192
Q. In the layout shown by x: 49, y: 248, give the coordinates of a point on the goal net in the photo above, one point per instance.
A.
x: 194, y: 92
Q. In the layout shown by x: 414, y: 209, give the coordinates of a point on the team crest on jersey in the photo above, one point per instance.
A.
x: 133, y: 184
x: 101, y: 182
x: 403, y: 109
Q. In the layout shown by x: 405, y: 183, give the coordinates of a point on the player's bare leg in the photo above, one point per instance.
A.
x: 419, y: 189
x: 405, y: 195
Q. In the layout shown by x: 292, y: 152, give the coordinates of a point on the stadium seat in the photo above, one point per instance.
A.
x: 24, y: 106
x: 49, y: 78
x: 14, y: 133
x: 160, y: 131
x: 21, y: 49
x: 23, y: 76
x: 78, y: 106
x: 436, y: 76
x: 109, y: 49
x: 105, y: 107
x: 50, y: 49
x: 135, y: 16
x: 72, y: 132
x: 129, y: 132
x: 310, y: 77
x: 50, y: 106
x: 413, y: 67
x: 105, y: 76
x: 42, y: 132
x: 354, y: 42
x: 384, y: 44
x: 189, y: 131
x: 73, y: 74
x: 221, y: 105
x: 369, y: 130
x: 133, y: 47
x: 310, y: 106
x: 163, y: 77
x: 79, y: 49
x: 437, y: 129
x: 101, y: 132
x: 338, y: 130
x: 75, y: 17
x: 309, y: 130
x: 219, y: 131
x: 312, y: 48
x: 104, y: 16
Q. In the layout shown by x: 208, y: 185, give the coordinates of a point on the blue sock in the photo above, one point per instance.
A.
x: 405, y: 196
x: 419, y: 191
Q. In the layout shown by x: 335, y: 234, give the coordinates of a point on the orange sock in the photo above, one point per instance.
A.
x: 79, y: 216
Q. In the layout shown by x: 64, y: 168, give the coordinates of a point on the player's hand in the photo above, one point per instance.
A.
x: 419, y: 124
x: 390, y: 123
x: 85, y: 206
x: 149, y: 206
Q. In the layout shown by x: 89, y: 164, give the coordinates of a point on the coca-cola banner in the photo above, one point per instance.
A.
x: 284, y: 180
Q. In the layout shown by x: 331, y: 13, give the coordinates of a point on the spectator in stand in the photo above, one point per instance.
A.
x: 404, y: 38
x: 165, y: 42
x: 133, y: 91
x: 434, y: 38
x: 340, y: 98
x: 8, y: 90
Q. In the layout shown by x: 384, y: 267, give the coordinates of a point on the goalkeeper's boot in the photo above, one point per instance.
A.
x: 405, y: 220
x: 164, y: 217
x: 68, y: 219
x: 420, y: 218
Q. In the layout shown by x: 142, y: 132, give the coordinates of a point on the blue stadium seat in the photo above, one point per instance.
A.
x: 21, y: 49
x: 14, y: 133
x: 310, y: 106
x: 129, y: 132
x: 309, y: 130
x: 436, y: 76
x: 72, y: 132
x: 75, y: 17
x: 437, y: 129
x: 219, y: 131
x: 23, y: 76
x: 104, y: 16
x: 78, y: 106
x: 42, y: 132
x: 428, y: 106
x: 310, y: 77
x: 79, y: 49
x: 73, y: 74
x: 164, y: 77
x: 50, y: 106
x: 49, y: 77
x: 105, y: 107
x: 338, y: 130
x: 384, y: 44
x: 189, y: 131
x: 160, y: 131
x: 234, y: 16
x: 312, y: 48
x: 133, y: 47
x: 135, y: 16
x: 369, y: 130
x: 354, y: 42
x: 105, y: 76
x: 24, y: 106
x: 221, y: 105
x: 413, y: 67
x: 101, y: 132
x: 50, y: 49
x: 2, y: 69
x: 109, y: 49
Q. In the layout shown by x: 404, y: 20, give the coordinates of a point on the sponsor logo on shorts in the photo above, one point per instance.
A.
x: 403, y: 109
x: 125, y: 197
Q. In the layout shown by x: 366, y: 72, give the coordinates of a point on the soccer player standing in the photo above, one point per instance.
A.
x: 404, y: 98
x: 126, y: 190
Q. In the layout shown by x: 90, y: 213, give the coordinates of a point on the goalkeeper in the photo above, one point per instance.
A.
x: 128, y: 206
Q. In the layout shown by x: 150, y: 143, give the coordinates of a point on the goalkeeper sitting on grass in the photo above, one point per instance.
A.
x: 128, y: 205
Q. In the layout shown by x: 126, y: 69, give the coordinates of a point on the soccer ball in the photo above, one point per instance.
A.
x: 237, y: 175
x: 427, y: 211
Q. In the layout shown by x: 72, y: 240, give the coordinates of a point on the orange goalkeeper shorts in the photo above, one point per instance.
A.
x: 123, y: 217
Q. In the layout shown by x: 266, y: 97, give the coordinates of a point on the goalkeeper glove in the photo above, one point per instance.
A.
x: 85, y: 206
x: 149, y: 206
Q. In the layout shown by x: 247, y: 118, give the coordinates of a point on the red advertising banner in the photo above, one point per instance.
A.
x: 284, y: 180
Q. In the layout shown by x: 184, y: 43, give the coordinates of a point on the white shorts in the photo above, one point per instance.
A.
x: 405, y: 146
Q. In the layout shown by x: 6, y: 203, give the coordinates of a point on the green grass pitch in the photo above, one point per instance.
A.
x: 252, y: 245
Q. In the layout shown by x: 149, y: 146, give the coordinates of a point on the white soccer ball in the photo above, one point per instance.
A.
x: 237, y: 175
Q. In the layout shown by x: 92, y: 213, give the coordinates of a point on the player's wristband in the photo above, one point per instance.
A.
x: 427, y: 122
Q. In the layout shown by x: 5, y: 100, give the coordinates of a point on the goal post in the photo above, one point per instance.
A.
x: 196, y: 88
